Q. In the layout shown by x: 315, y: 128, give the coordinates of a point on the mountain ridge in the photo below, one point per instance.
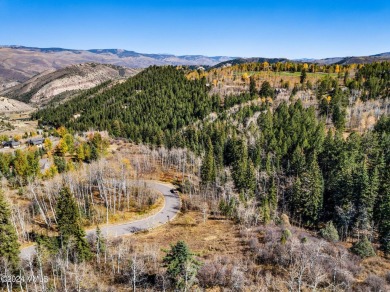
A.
x: 19, y: 63
x: 64, y: 82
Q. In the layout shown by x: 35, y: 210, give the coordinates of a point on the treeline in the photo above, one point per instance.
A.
x: 373, y: 80
x: 23, y: 166
x: 287, y: 66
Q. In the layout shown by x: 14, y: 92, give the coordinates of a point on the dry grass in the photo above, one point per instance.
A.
x: 376, y: 265
x: 129, y: 215
x: 21, y: 126
x: 204, y: 238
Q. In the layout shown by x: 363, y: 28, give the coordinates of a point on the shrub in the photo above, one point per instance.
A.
x: 375, y: 283
x: 286, y: 234
x: 363, y: 248
x: 285, y: 220
x: 329, y: 232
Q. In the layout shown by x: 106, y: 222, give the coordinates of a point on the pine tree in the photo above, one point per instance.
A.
x: 9, y: 246
x: 266, y: 90
x: 298, y: 161
x: 252, y: 86
x: 265, y: 210
x: 250, y: 177
x: 384, y: 209
x: 181, y: 265
x: 363, y: 248
x: 208, y: 172
x: 303, y: 76
x: 240, y: 169
x: 296, y: 199
x: 69, y: 225
x: 365, y: 201
x: 338, y: 117
x: 308, y: 194
x: 329, y: 232
x: 273, y: 198
x: 315, y: 200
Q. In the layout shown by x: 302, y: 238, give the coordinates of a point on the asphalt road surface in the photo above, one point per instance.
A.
x: 167, y: 213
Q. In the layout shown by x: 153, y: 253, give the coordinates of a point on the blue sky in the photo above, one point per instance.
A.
x: 292, y: 29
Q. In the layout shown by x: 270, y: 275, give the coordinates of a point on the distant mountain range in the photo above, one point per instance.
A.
x: 127, y: 58
x: 18, y: 63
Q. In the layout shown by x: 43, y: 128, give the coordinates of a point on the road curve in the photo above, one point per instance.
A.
x: 168, y: 212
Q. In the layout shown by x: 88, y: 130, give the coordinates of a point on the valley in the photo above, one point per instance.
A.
x: 187, y: 146
x: 280, y: 168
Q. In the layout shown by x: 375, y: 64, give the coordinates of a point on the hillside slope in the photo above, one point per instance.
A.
x: 149, y: 106
x: 354, y: 59
x: 326, y: 61
x: 43, y: 87
x: 10, y: 105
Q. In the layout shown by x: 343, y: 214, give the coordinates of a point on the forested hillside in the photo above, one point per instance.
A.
x: 285, y: 158
x: 152, y: 105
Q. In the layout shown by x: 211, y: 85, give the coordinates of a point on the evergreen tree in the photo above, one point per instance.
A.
x: 298, y: 161
x: 384, y: 210
x: 286, y: 235
x: 69, y: 225
x: 346, y: 76
x: 338, y: 117
x: 308, y: 194
x: 266, y: 90
x: 365, y: 201
x: 250, y: 177
x: 273, y: 198
x: 252, y: 86
x: 181, y: 265
x: 296, y: 198
x: 303, y: 76
x: 242, y: 173
x: 60, y: 163
x: 9, y: 246
x: 329, y: 232
x: 208, y: 172
x: 315, y: 200
x: 265, y: 210
x: 363, y: 248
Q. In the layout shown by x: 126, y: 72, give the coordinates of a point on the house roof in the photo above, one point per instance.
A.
x: 44, y: 164
x: 11, y: 143
x: 36, y: 141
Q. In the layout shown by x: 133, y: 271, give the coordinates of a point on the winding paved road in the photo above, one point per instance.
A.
x: 168, y: 212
